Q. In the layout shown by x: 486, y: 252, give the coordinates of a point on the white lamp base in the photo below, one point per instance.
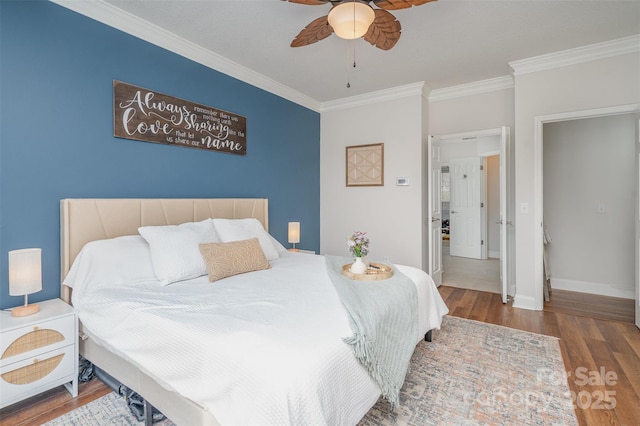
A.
x: 22, y: 311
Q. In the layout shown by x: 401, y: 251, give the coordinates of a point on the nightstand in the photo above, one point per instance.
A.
x: 38, y: 352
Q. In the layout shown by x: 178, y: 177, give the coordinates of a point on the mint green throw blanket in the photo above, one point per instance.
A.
x: 384, y: 321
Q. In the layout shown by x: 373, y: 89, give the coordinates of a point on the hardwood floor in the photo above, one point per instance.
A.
x: 594, y: 349
x: 51, y: 404
x: 591, y: 305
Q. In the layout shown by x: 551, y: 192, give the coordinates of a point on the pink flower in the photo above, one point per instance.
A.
x: 358, y: 244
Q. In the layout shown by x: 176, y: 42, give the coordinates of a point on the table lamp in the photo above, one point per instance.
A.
x: 294, y: 234
x: 25, y: 277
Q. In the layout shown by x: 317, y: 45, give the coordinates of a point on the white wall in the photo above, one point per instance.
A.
x: 457, y: 150
x: 391, y: 215
x: 480, y: 147
x: 595, y: 84
x: 489, y: 110
x: 589, y: 204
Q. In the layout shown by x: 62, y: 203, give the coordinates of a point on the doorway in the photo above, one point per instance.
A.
x: 588, y: 204
x: 600, y: 208
x: 476, y: 147
x: 470, y: 234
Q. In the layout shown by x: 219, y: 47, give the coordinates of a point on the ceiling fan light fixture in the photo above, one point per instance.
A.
x: 351, y: 19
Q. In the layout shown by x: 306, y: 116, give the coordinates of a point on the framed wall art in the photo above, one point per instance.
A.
x: 365, y: 165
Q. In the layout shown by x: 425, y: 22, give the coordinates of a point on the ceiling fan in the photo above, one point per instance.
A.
x: 352, y: 19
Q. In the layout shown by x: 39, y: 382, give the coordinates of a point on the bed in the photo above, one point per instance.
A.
x: 206, y: 381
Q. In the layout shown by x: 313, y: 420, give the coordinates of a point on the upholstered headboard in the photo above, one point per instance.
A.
x: 88, y: 219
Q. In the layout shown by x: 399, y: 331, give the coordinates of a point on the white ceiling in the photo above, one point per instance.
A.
x: 443, y: 43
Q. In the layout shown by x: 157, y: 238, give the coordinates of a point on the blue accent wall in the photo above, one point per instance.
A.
x: 56, y: 134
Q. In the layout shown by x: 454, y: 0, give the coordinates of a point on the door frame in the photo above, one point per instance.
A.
x: 505, y: 133
x: 538, y: 193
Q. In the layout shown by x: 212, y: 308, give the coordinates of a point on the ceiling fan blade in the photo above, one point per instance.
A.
x: 310, y: 2
x: 317, y: 30
x: 384, y: 32
x: 398, y: 4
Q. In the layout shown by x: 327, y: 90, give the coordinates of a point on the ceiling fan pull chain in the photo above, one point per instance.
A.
x: 353, y: 43
x: 354, y: 53
x: 348, y: 71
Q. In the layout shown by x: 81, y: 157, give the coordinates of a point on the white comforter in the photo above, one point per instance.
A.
x: 258, y: 348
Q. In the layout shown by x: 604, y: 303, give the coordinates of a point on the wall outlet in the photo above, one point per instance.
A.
x: 524, y: 208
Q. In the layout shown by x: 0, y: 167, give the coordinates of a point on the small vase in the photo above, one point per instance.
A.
x: 358, y: 267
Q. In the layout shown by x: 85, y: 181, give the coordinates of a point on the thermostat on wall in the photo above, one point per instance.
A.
x: 402, y: 181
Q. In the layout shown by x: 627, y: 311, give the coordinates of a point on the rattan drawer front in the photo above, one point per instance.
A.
x: 48, y: 369
x: 38, y: 369
x: 17, y: 344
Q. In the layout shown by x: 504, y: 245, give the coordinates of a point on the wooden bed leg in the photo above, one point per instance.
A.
x: 428, y: 336
x: 148, y: 414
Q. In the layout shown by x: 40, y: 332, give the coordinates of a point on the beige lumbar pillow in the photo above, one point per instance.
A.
x: 233, y: 258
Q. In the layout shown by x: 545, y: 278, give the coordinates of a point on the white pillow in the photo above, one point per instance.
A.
x: 244, y: 229
x: 279, y: 247
x: 174, y: 249
x: 113, y: 261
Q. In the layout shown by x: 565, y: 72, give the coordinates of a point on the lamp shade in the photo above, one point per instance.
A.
x: 25, y: 271
x: 351, y: 19
x: 294, y: 232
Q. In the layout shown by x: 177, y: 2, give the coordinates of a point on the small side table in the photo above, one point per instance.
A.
x: 38, y: 352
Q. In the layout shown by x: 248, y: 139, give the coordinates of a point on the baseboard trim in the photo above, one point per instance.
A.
x: 602, y: 289
x: 525, y: 302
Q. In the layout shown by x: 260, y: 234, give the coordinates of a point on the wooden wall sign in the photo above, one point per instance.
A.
x: 145, y: 115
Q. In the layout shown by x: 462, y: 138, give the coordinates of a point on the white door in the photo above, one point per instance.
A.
x: 504, y: 222
x: 465, y: 215
x: 434, y: 207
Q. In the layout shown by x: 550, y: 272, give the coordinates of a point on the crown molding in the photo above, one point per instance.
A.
x: 130, y: 24
x: 607, y: 49
x: 473, y: 88
x: 374, y: 97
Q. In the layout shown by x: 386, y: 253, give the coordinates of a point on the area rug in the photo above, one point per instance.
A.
x: 472, y: 373
x: 109, y: 410
x: 475, y: 373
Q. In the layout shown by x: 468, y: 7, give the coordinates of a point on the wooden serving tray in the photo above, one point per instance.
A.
x: 376, y: 271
